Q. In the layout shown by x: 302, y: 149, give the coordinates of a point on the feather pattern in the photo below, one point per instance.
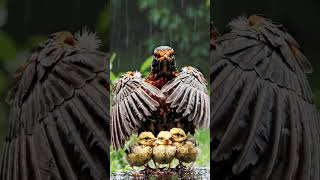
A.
x: 263, y: 120
x: 134, y: 101
x: 59, y: 116
x: 187, y: 94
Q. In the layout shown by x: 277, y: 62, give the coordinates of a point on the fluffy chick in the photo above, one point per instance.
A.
x: 187, y: 149
x: 164, y: 151
x: 140, y: 154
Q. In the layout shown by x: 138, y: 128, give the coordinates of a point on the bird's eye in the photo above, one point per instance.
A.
x: 156, y: 55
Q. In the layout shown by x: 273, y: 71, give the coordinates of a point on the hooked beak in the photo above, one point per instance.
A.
x: 164, y: 63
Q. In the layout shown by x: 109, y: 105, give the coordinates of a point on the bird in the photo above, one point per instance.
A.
x: 187, y: 148
x: 264, y: 123
x: 164, y: 151
x: 141, y: 153
x: 59, y: 112
x: 164, y: 99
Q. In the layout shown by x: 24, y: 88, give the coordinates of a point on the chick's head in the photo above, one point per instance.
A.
x: 146, y: 138
x: 164, y: 138
x: 178, y: 135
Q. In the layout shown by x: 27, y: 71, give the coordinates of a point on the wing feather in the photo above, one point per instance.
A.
x: 58, y: 117
x: 191, y: 104
x: 187, y: 95
x: 186, y: 102
x: 263, y: 120
x: 134, y: 101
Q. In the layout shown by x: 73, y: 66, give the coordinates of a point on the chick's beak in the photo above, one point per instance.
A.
x: 167, y: 141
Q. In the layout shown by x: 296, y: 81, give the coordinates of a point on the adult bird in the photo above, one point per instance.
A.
x: 59, y: 112
x: 264, y: 122
x: 165, y: 99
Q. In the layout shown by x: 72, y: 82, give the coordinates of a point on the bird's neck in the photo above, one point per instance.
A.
x: 159, y: 79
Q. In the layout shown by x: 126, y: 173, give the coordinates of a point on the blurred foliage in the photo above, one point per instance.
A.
x: 118, y: 161
x: 183, y: 25
x: 103, y: 26
x: 163, y: 15
x: 185, y: 28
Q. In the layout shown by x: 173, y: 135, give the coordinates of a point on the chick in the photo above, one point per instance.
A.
x: 140, y: 154
x: 164, y: 151
x: 187, y: 149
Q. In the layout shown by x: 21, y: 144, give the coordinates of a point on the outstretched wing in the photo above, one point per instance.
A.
x: 263, y: 119
x: 134, y: 101
x: 59, y: 117
x: 187, y: 95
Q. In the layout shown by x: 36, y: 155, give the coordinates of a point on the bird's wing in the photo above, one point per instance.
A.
x: 262, y: 112
x: 59, y: 116
x: 134, y: 100
x: 187, y: 95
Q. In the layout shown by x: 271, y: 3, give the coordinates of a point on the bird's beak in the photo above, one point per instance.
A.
x: 168, y: 141
x: 165, y: 58
x: 164, y: 63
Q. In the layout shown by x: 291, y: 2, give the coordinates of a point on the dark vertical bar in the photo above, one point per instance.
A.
x: 59, y: 129
x: 248, y: 120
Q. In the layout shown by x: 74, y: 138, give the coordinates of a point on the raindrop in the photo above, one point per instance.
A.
x: 127, y: 25
x: 182, y: 4
x: 195, y: 24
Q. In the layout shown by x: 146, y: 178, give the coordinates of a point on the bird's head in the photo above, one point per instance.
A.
x: 178, y: 135
x: 146, y: 138
x: 163, y: 61
x: 164, y: 138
